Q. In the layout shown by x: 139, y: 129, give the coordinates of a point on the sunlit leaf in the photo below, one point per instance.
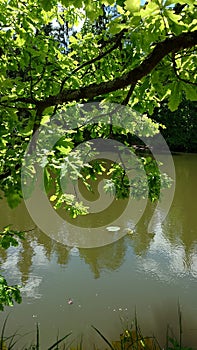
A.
x: 132, y: 5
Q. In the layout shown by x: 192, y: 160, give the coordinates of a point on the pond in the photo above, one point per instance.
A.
x: 149, y: 273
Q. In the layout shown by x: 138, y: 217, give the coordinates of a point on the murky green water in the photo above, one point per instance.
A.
x: 142, y: 271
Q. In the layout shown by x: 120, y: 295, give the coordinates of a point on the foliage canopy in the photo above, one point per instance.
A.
x: 54, y: 54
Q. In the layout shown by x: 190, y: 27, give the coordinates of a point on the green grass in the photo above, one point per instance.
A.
x: 10, y: 343
x: 131, y: 339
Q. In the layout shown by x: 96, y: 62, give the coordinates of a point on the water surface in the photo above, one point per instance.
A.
x: 147, y: 272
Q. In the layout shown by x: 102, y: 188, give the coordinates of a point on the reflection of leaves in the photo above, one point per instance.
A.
x: 13, y: 199
x: 8, y: 294
x: 10, y: 237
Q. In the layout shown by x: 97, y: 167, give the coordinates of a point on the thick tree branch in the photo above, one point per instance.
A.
x: 170, y: 45
x: 162, y: 49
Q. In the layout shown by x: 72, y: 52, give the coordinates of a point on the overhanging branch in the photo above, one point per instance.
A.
x: 170, y: 45
x: 162, y: 49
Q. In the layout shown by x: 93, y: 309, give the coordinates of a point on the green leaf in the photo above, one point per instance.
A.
x: 171, y: 15
x: 175, y: 97
x: 47, y: 4
x: 132, y: 5
x: 182, y: 2
x: 64, y: 150
x: 150, y: 9
x: 190, y: 91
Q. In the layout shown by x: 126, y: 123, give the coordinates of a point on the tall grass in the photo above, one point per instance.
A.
x: 131, y: 339
x: 10, y: 343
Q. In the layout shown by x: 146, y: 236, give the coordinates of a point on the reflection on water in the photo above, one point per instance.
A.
x: 147, y: 271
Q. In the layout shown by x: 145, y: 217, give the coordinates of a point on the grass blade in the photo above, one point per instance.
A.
x: 81, y: 343
x: 103, y: 337
x: 59, y: 341
x: 180, y: 324
x: 2, y: 334
x: 12, y: 343
x: 37, y: 337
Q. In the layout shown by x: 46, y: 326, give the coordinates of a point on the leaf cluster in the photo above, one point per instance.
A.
x: 8, y: 294
x: 9, y: 237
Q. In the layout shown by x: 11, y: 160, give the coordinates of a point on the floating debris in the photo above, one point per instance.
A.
x: 70, y: 301
x: 130, y: 232
x: 74, y: 251
x: 113, y: 228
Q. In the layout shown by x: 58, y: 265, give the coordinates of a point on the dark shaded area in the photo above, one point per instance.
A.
x: 181, y: 126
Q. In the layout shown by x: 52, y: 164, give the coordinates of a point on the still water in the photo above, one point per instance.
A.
x: 146, y: 272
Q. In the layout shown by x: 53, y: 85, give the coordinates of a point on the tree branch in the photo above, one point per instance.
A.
x: 95, y: 59
x: 170, y: 45
x: 162, y: 49
x: 126, y: 100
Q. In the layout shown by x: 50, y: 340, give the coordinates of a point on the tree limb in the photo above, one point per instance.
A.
x: 170, y: 45
x: 95, y: 59
x: 162, y: 49
x: 126, y: 100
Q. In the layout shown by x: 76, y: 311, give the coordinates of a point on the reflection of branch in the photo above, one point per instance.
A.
x: 177, y: 74
x: 32, y: 229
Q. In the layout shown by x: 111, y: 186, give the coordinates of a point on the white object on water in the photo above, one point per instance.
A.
x: 74, y: 251
x: 113, y: 228
x: 70, y: 301
x: 129, y: 231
